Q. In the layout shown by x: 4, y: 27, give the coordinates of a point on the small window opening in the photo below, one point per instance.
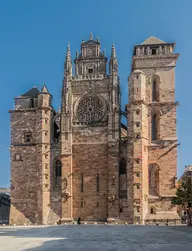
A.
x: 17, y: 157
x: 145, y: 51
x: 90, y: 71
x: 97, y: 204
x: 152, y: 211
x: 138, y: 186
x: 138, y: 161
x: 28, y: 137
x: 154, y: 51
x: 120, y: 210
x: 81, y: 204
x: 137, y: 124
x: 138, y: 174
x: 137, y: 111
x: 32, y: 103
x: 138, y: 209
x: 45, y: 133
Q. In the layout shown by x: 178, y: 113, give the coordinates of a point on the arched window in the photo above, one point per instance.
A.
x: 154, y: 179
x: 154, y: 91
x: 154, y: 127
x: 57, y: 172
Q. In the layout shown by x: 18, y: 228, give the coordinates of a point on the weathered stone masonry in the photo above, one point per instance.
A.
x: 81, y: 161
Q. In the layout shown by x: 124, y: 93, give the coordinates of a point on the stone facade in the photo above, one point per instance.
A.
x: 152, y: 141
x: 82, y: 161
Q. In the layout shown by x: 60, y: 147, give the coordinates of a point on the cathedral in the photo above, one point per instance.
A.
x: 82, y: 161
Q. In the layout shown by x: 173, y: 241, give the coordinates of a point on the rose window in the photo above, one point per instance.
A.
x: 90, y: 109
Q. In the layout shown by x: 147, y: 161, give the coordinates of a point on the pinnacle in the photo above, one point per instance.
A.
x: 44, y: 89
x: 113, y: 52
x: 68, y: 55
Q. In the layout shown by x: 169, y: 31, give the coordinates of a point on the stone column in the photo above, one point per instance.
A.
x: 66, y: 160
x: 113, y: 168
x: 67, y: 201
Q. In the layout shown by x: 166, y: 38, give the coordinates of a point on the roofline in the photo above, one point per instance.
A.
x: 23, y: 97
x: 86, y: 42
x: 143, y: 45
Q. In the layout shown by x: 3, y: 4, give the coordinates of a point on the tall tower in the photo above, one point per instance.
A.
x: 90, y: 135
x: 30, y: 157
x: 152, y: 140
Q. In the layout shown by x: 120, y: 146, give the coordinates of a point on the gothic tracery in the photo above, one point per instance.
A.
x: 90, y: 109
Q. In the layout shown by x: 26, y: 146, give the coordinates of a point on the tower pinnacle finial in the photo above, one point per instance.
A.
x: 68, y: 61
x: 91, y: 36
x: 68, y: 54
x: 113, y: 52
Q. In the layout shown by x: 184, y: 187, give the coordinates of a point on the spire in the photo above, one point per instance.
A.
x: 44, y: 89
x: 68, y: 54
x: 113, y: 52
x: 113, y: 64
x: 91, y: 36
x: 68, y: 61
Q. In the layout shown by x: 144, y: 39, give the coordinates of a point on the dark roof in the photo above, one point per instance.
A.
x: 32, y: 93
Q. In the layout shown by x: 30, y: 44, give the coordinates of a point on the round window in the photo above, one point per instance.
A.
x: 90, y: 109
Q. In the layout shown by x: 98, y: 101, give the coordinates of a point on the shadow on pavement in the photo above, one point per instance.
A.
x: 101, y: 237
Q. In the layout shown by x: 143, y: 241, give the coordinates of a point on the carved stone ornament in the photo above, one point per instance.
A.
x: 90, y: 109
x: 65, y: 183
x: 66, y: 195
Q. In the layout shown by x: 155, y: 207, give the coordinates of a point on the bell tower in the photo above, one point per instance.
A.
x: 90, y: 134
x: 152, y: 140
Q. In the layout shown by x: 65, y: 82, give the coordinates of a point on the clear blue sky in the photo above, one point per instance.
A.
x: 34, y: 36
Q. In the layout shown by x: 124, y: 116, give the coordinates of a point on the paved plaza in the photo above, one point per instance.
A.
x: 96, y: 237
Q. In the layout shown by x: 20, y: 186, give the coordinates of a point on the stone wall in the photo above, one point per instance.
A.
x: 30, y: 164
x: 90, y: 160
x: 24, y: 171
